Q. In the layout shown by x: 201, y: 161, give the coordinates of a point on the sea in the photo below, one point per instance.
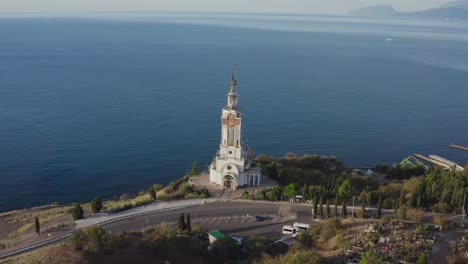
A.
x: 100, y: 104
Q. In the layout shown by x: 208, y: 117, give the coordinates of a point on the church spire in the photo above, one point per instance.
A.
x: 233, y: 80
x: 232, y: 95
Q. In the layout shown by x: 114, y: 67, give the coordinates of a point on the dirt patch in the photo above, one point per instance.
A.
x: 54, y: 254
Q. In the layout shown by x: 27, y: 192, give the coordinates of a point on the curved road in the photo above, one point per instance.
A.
x: 235, y: 217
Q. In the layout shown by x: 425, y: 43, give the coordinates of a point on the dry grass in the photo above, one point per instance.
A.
x: 57, y: 253
x: 113, y: 204
x: 49, y: 216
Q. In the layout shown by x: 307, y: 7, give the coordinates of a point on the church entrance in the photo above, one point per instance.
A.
x: 228, y: 181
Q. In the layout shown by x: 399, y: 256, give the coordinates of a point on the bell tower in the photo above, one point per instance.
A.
x: 230, y: 167
x: 231, y: 125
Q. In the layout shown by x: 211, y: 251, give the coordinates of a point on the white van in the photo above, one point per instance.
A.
x: 288, y: 230
x: 301, y: 227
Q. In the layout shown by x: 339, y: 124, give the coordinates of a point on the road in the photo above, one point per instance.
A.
x: 237, y: 218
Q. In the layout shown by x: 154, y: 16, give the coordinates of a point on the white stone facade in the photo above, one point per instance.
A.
x: 230, y: 167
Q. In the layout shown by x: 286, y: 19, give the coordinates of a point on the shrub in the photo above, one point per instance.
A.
x: 415, y: 214
x: 401, y: 212
x: 386, y: 219
x: 225, y: 249
x: 2, y: 246
x: 442, y: 207
x: 122, y: 208
x: 144, y: 202
x: 77, y: 212
x: 124, y: 197
x: 158, y: 187
x: 387, y: 203
x: 441, y: 220
x: 245, y: 195
x: 370, y: 257
x: 304, y: 239
x: 255, y: 245
x: 96, y: 205
x: 95, y: 240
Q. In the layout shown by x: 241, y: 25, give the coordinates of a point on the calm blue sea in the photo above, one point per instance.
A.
x: 108, y: 104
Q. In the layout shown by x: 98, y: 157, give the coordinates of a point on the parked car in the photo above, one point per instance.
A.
x: 259, y: 218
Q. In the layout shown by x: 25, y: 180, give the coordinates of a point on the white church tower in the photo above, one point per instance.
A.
x: 230, y: 167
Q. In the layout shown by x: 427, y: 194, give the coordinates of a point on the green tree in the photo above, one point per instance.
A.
x: 255, y: 246
x: 291, y: 190
x: 225, y: 250
x: 419, y: 201
x: 345, y: 189
x: 181, y: 224
x: 401, y: 212
x: 96, y: 205
x: 402, y: 200
x: 422, y: 259
x: 379, y: 208
x: 194, y: 170
x: 370, y: 257
x: 152, y: 193
x: 95, y: 240
x: 305, y: 193
x: 189, y: 225
x: 304, y: 239
x: 321, y: 207
x: 336, y: 206
x: 327, y: 211
x: 344, y: 211
x: 77, y: 212
x: 363, y: 210
x: 315, y: 207
x: 37, y: 225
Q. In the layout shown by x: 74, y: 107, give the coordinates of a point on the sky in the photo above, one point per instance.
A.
x: 267, y: 6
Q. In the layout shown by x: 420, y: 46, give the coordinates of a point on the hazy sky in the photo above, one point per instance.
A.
x: 287, y: 6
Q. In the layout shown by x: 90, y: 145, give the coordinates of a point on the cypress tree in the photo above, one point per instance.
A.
x: 152, y: 193
x: 305, y: 191
x: 194, y: 170
x: 379, y: 208
x: 184, y: 225
x: 344, y: 211
x: 189, y: 225
x: 321, y: 207
x: 419, y: 200
x: 336, y: 206
x: 402, y: 200
x: 327, y: 211
x: 315, y: 207
x: 363, y: 210
x: 37, y: 225
x: 181, y: 223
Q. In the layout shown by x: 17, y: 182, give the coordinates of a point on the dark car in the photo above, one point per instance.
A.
x: 259, y: 218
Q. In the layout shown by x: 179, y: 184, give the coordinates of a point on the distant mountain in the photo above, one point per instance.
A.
x: 459, y: 4
x: 452, y: 10
x: 377, y: 10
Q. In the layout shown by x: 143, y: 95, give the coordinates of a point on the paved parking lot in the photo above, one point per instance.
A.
x: 236, y: 218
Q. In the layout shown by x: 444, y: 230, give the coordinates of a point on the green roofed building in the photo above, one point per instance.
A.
x: 216, y: 234
x: 411, y: 161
